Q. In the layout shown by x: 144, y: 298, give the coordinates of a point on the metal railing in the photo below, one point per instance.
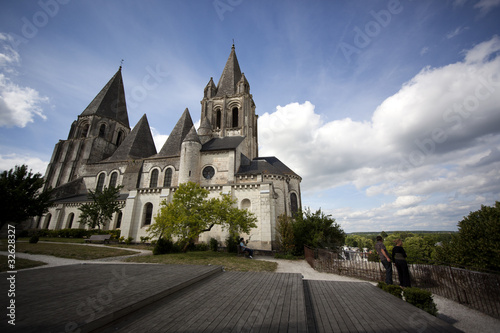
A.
x: 477, y: 290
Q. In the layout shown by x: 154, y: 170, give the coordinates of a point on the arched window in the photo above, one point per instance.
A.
x: 47, y: 220
x: 167, y: 181
x: 293, y: 203
x: 148, y: 213
x: 85, y: 131
x: 100, y: 182
x: 119, y: 138
x: 218, y: 119
x: 70, y: 220
x: 235, y: 117
x: 153, y: 181
x: 119, y: 220
x: 102, y: 131
x: 113, y: 179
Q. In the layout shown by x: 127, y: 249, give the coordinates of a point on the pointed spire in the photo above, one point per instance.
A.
x: 230, y: 76
x: 138, y: 144
x: 210, y: 89
x: 205, y: 130
x: 172, y: 146
x: 110, y: 101
x: 243, y: 85
x: 192, y: 136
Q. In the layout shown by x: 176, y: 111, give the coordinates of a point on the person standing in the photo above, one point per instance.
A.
x: 384, y: 259
x: 399, y: 259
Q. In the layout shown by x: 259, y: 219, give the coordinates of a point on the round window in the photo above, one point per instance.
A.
x: 208, y: 172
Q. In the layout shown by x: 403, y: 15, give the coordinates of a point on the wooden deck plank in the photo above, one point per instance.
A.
x: 368, y: 308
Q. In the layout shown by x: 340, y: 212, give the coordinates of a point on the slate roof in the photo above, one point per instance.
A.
x: 110, y: 101
x: 266, y: 165
x: 227, y: 143
x: 230, y: 76
x: 192, y: 136
x: 172, y: 146
x: 138, y: 144
x: 84, y: 198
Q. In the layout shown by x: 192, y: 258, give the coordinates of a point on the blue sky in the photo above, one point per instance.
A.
x: 389, y: 110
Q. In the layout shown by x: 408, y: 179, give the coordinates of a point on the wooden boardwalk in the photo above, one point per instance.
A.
x: 182, y: 298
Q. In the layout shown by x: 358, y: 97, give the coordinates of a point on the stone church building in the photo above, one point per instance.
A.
x: 222, y: 156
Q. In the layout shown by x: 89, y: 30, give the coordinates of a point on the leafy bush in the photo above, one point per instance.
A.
x: 34, y: 239
x: 201, y: 247
x: 129, y: 240
x: 232, y: 242
x: 144, y: 239
x: 422, y: 299
x: 214, y: 244
x: 390, y: 288
x: 164, y: 246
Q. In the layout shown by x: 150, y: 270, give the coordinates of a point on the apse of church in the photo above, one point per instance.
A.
x: 222, y: 156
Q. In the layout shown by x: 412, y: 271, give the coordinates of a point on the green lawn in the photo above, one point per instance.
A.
x: 20, y: 263
x: 230, y: 261
x: 54, y: 239
x: 71, y: 251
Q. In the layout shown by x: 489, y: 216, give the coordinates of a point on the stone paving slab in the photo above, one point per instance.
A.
x: 68, y: 298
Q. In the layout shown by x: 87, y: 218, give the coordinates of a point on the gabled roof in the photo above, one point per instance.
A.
x: 110, y: 101
x: 266, y: 165
x: 230, y: 76
x: 172, y: 146
x: 138, y: 144
x: 226, y: 143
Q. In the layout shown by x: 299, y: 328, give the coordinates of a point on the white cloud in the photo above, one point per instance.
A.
x: 159, y: 139
x: 18, y: 105
x: 456, y: 32
x: 36, y: 164
x: 486, y: 5
x: 436, y: 140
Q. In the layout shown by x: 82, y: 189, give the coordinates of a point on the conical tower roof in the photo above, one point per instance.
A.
x: 138, y: 144
x: 110, y: 101
x: 230, y: 76
x: 192, y: 136
x: 172, y: 146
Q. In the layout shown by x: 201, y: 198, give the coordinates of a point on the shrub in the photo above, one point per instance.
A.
x: 201, y: 247
x: 144, y: 239
x: 34, y: 239
x: 214, y: 244
x: 390, y: 288
x: 232, y: 243
x: 164, y: 246
x: 129, y: 240
x: 422, y: 299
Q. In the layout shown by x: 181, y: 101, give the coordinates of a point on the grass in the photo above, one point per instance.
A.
x: 20, y: 263
x: 71, y: 251
x: 230, y: 261
x: 55, y: 239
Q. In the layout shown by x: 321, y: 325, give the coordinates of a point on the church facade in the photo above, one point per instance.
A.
x: 221, y: 156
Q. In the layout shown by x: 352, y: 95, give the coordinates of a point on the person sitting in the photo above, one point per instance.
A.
x: 244, y: 248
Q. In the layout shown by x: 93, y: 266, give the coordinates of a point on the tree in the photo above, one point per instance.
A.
x: 190, y: 213
x: 284, y: 234
x: 477, y: 243
x: 21, y: 195
x: 316, y: 230
x: 100, y: 211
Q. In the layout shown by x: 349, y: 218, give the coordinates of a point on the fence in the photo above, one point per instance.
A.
x: 477, y: 290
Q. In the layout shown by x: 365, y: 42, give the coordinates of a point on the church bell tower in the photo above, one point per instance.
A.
x: 229, y: 107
